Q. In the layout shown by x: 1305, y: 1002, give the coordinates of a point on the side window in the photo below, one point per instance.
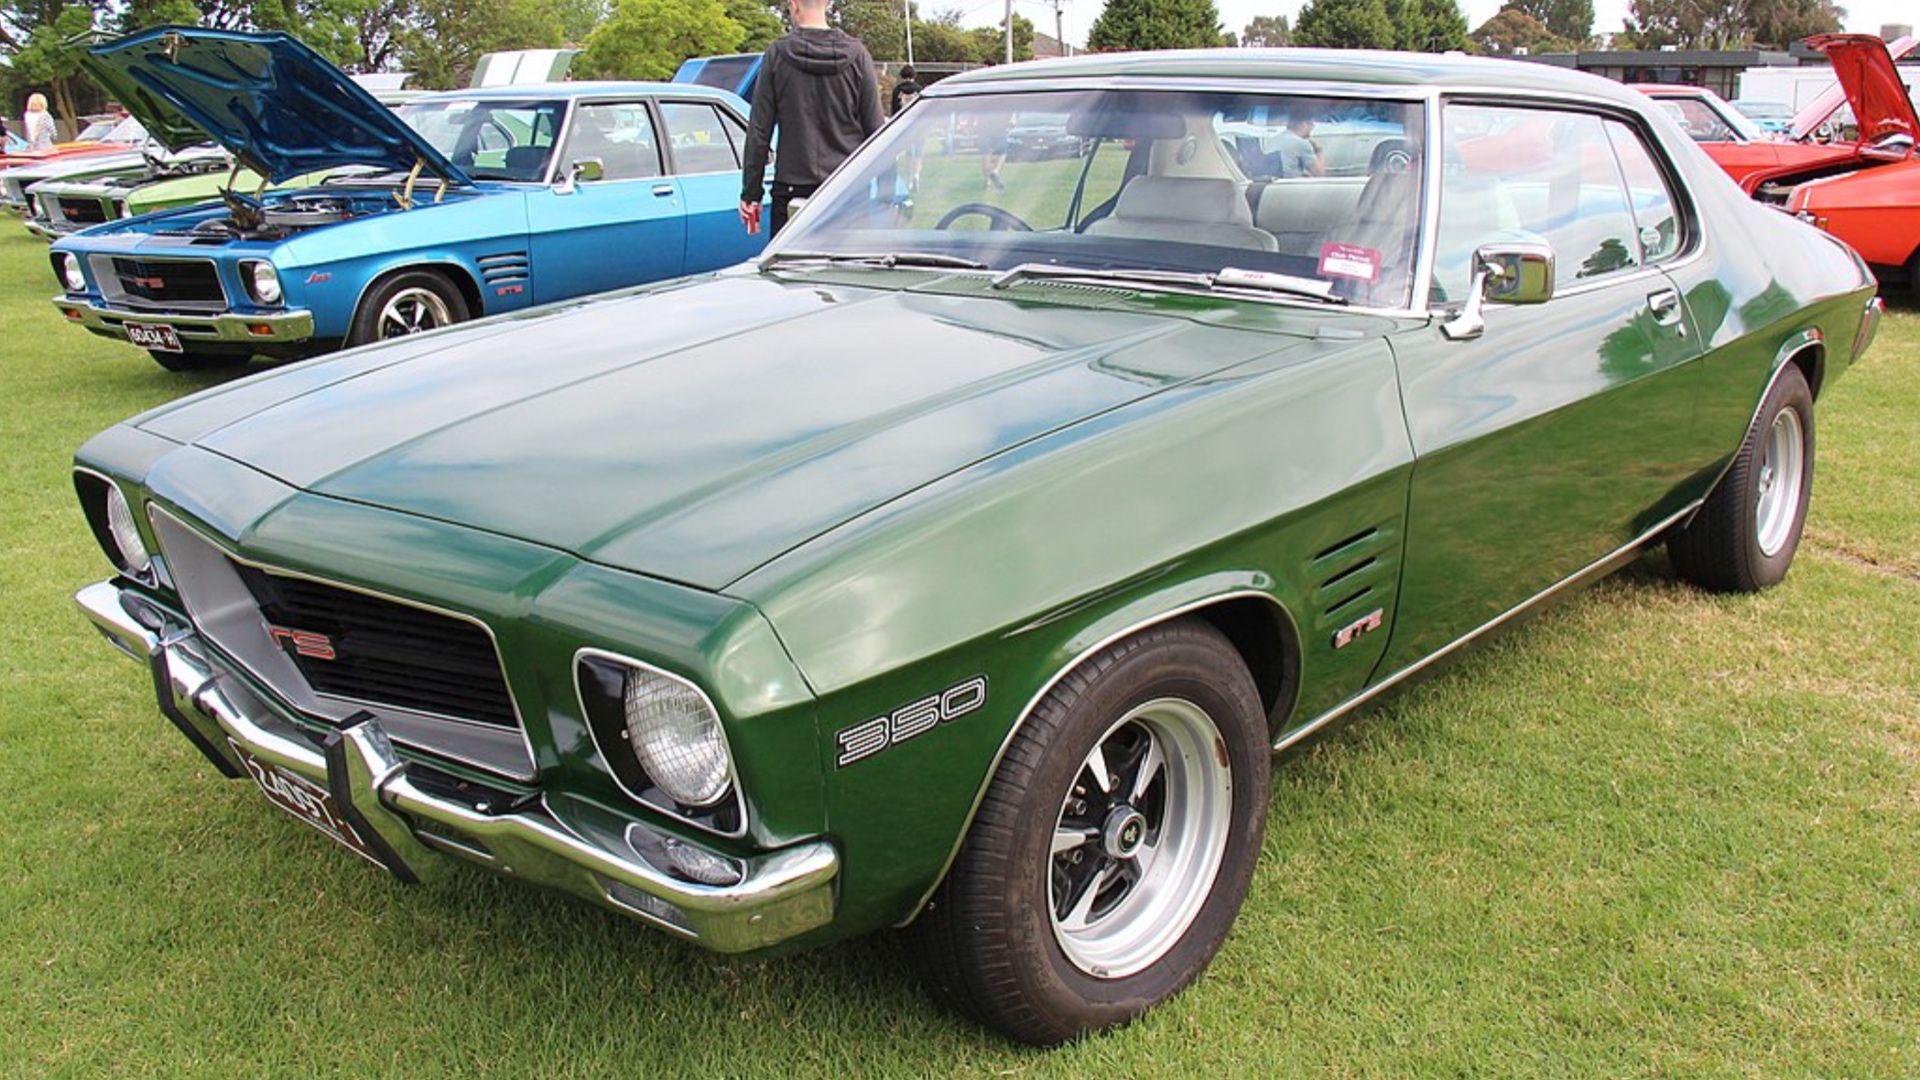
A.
x: 1699, y: 120
x: 1531, y: 175
x: 1654, y: 208
x: 700, y: 143
x: 620, y: 136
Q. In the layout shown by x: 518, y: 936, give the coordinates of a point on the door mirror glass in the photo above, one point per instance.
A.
x: 587, y: 170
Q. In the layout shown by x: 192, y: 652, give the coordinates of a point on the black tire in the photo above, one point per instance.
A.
x: 987, y: 942
x: 431, y: 286
x: 1721, y: 549
x: 187, y: 361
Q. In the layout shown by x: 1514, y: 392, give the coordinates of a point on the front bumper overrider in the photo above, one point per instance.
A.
x: 776, y: 896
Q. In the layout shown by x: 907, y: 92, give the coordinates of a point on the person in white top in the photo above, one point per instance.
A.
x: 38, y: 123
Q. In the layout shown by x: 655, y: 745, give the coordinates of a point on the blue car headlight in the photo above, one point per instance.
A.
x: 262, y: 281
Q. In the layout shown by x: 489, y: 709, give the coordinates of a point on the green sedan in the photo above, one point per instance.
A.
x: 961, y: 564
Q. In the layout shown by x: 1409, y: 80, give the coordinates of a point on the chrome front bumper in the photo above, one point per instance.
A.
x: 277, y: 328
x: 776, y: 896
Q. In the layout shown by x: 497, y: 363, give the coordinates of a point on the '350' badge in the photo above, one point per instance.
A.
x: 866, y: 739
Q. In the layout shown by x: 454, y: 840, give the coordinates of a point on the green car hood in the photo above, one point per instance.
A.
x: 696, y: 432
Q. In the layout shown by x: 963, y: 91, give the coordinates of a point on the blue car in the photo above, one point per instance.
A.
x: 458, y: 205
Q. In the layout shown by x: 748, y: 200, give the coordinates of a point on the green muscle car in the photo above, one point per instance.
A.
x: 960, y: 564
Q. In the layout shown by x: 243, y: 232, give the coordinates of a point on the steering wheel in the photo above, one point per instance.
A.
x: 1000, y: 218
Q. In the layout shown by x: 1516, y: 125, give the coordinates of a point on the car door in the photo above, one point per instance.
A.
x: 704, y: 143
x: 1560, y: 433
x: 625, y: 228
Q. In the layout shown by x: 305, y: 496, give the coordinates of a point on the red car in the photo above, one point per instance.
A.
x: 1866, y: 192
x: 1733, y: 142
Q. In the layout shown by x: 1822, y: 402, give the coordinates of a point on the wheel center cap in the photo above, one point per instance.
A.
x: 1123, y: 831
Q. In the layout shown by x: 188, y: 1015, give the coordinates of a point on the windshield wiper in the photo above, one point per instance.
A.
x: 888, y: 259
x: 1228, y: 279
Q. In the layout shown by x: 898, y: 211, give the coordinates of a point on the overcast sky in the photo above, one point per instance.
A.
x: 1862, y: 15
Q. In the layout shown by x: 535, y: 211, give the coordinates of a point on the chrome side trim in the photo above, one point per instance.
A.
x: 1020, y: 721
x: 513, y: 697
x: 580, y: 699
x: 1599, y: 568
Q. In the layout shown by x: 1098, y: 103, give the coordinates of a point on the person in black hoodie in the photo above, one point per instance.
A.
x: 816, y: 87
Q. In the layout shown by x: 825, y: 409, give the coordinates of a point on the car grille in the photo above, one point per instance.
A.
x: 168, y: 282
x: 82, y: 211
x: 383, y: 652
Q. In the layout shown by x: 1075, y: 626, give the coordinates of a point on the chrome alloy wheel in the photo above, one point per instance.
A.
x: 411, y: 311
x: 1778, y: 487
x: 1140, y: 838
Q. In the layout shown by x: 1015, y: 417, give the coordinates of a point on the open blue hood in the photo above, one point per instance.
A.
x: 280, y: 107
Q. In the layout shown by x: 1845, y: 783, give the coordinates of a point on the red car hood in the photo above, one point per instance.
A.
x: 1868, y: 81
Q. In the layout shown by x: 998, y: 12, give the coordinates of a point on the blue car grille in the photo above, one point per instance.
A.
x: 165, y: 283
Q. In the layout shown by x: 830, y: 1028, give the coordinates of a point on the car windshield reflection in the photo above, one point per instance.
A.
x: 1321, y: 189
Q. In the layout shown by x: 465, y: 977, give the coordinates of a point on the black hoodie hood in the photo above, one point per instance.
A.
x: 821, y: 51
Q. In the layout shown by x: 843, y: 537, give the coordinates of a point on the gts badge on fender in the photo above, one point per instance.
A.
x: 866, y: 739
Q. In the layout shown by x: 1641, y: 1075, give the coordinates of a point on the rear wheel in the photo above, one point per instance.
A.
x: 405, y: 304
x: 1744, y: 537
x: 1114, y: 845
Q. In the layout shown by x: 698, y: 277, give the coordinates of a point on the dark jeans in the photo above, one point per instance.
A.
x: 784, y: 194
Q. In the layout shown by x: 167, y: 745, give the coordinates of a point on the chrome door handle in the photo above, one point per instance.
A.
x: 663, y: 190
x: 1665, y: 306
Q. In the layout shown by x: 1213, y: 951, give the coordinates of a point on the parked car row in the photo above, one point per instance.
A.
x: 959, y: 563
x: 456, y: 206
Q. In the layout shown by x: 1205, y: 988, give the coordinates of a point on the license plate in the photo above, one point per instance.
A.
x: 304, y: 799
x: 157, y: 338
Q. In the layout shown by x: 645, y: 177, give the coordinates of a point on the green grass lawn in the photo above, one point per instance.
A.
x: 1653, y: 832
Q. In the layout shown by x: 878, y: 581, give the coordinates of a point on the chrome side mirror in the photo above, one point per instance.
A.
x: 1510, y: 273
x: 585, y: 170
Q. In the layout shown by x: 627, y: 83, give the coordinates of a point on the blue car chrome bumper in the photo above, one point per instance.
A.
x: 224, y: 328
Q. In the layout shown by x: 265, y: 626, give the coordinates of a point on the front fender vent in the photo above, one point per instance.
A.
x: 1355, y: 575
x: 504, y: 268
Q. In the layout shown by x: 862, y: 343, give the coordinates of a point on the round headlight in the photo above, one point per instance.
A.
x: 70, y: 273
x: 126, y: 536
x: 264, y: 282
x: 677, y: 738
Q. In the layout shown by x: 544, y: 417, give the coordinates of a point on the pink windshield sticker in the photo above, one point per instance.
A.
x: 1349, y: 261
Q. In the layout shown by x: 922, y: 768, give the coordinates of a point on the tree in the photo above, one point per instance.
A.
x: 1155, y: 24
x: 1344, y: 24
x: 879, y: 24
x: 1733, y: 24
x: 990, y: 42
x: 1568, y: 19
x: 1266, y: 32
x: 1427, y: 25
x: 1780, y: 23
x: 1513, y: 30
x: 647, y: 39
x: 757, y: 21
x: 443, y: 40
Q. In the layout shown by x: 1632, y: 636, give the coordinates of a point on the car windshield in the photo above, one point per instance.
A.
x: 1325, y: 189
x: 489, y: 139
x: 1764, y: 110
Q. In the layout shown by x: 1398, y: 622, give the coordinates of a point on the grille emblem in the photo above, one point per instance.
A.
x: 305, y: 642
x: 148, y: 282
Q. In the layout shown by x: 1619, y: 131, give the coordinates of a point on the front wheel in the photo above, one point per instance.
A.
x: 1114, y: 845
x: 409, y: 303
x: 1744, y: 537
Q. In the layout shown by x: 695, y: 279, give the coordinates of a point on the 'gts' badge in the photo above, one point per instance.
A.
x: 1351, y: 632
x: 910, y: 721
